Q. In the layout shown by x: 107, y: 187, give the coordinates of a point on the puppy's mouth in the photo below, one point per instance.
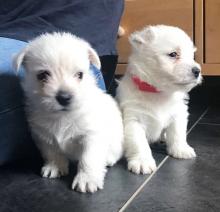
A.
x: 61, y: 110
x: 194, y: 82
x: 58, y: 111
x: 184, y: 83
x: 64, y: 109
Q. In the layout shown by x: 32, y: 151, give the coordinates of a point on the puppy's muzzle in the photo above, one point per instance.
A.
x: 196, y: 72
x: 63, y: 98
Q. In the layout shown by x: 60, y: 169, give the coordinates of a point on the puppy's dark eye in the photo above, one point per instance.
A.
x: 43, y: 76
x: 79, y: 75
x: 173, y: 54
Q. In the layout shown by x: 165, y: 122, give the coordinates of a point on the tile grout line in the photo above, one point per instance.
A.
x: 207, y: 123
x: 142, y: 185
x: 197, y: 121
x: 159, y: 166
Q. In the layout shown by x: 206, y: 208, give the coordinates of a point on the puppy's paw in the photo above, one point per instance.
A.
x: 181, y: 152
x: 53, y: 171
x: 142, y: 165
x: 84, y: 182
x: 111, y: 161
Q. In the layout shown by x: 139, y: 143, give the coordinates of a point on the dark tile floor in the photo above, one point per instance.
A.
x: 187, y: 185
x: 177, y: 185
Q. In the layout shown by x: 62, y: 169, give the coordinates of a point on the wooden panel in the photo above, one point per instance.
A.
x: 211, y: 69
x: 212, y: 31
x: 206, y: 39
x: 199, y: 23
x: 120, y: 69
x: 139, y: 13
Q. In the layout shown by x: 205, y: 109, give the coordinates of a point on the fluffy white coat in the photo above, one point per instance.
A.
x: 89, y: 129
x: 162, y: 56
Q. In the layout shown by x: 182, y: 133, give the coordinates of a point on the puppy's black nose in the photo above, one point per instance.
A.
x: 63, y: 98
x: 196, y: 71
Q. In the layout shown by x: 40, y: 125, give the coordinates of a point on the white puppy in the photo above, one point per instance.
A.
x: 153, y: 94
x: 69, y: 116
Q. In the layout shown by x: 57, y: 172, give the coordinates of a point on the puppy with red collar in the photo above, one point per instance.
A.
x: 153, y: 94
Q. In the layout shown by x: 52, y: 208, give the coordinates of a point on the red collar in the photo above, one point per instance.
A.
x: 144, y: 86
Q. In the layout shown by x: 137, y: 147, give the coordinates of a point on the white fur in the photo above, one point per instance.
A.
x: 148, y: 115
x: 90, y: 129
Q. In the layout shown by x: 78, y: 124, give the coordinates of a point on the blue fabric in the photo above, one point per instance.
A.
x: 15, y: 139
x: 98, y: 76
x: 8, y: 49
x: 96, y: 21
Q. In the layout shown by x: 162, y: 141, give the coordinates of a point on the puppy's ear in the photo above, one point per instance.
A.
x: 94, y: 58
x: 144, y: 36
x: 18, y: 59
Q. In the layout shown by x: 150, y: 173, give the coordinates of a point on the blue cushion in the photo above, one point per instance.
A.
x: 15, y: 139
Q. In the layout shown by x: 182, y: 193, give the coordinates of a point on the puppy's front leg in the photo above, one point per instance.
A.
x: 176, y: 138
x: 91, y: 166
x: 55, y: 163
x: 137, y: 149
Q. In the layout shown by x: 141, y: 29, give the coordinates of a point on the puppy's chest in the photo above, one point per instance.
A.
x: 63, y: 131
x: 156, y: 118
x: 66, y: 133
